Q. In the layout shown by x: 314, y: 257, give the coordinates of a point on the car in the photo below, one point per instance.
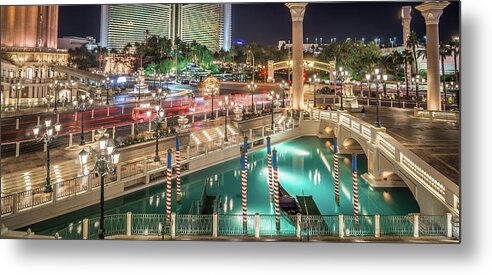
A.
x: 185, y: 81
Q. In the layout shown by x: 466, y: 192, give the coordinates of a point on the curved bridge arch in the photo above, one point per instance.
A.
x: 387, y: 159
x: 308, y: 64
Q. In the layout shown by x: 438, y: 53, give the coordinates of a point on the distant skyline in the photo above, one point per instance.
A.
x: 272, y: 22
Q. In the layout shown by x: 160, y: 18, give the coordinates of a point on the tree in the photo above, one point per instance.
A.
x: 83, y: 58
x: 454, y: 46
x: 444, y: 51
x: 407, y: 59
x: 413, y: 44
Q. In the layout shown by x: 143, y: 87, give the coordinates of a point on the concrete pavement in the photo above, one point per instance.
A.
x: 437, y: 142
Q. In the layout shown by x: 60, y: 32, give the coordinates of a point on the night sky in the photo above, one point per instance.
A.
x: 269, y: 23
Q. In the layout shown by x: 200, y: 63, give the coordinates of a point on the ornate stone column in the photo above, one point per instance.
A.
x: 431, y: 12
x: 406, y: 17
x: 297, y: 12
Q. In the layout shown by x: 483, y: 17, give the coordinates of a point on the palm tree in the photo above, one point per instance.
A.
x: 413, y: 43
x: 407, y: 59
x: 444, y: 51
x: 454, y: 46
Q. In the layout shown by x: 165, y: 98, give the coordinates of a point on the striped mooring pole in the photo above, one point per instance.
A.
x: 356, y: 188
x: 245, y: 149
x: 168, y: 186
x: 178, y: 171
x: 244, y: 190
x: 276, y: 189
x: 335, y: 169
x: 270, y: 172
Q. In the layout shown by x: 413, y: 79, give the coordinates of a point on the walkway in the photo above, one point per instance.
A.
x: 437, y: 142
x: 27, y: 171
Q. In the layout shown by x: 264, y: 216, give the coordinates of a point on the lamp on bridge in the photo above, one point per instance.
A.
x: 313, y: 81
x: 106, y: 160
x: 82, y: 104
x: 49, y: 135
x: 341, y: 76
x: 284, y: 86
x: 252, y: 88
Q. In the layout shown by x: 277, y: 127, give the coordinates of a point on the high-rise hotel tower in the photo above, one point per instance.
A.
x: 207, y: 24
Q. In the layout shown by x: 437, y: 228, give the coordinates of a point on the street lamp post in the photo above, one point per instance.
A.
x: 82, y: 104
x: 212, y: 90
x: 226, y: 106
x: 18, y: 88
x: 313, y: 81
x: 252, y: 88
x: 53, y: 89
x: 159, y: 116
x: 342, y: 76
x: 398, y: 91
x: 47, y: 137
x: 105, y: 163
x: 385, y: 78
x: 377, y: 80
x: 283, y: 86
x: 272, y: 97
x: 106, y: 84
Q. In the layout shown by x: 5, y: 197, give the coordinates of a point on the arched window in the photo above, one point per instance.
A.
x: 29, y: 73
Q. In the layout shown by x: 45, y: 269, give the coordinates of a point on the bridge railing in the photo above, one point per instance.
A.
x: 302, y: 227
x: 418, y: 170
x: 139, y: 170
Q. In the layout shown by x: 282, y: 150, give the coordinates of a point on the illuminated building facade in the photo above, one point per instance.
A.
x: 123, y: 24
x: 29, y: 53
x: 207, y: 24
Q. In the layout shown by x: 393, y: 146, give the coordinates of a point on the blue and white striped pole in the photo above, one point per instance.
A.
x: 335, y: 169
x: 168, y: 185
x: 356, y: 188
x: 276, y: 189
x: 245, y: 149
x: 244, y: 189
x: 270, y: 172
x: 178, y: 171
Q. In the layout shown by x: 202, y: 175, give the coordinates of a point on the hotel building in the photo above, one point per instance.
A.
x: 207, y: 24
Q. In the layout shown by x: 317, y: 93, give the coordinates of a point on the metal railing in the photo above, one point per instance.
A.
x: 300, y: 227
x: 433, y: 225
x: 194, y: 224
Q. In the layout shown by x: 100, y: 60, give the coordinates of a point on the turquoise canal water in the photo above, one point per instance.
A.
x: 305, y: 167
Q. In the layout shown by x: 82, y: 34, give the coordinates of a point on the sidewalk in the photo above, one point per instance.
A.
x: 28, y: 171
x: 437, y: 142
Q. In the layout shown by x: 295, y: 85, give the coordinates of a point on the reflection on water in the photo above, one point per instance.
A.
x: 305, y: 167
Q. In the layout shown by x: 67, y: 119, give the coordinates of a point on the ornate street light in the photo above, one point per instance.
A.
x: 272, y: 97
x: 385, y: 78
x: 48, y: 136
x: 284, y: 86
x: 106, y: 159
x: 212, y: 90
x: 341, y: 76
x: 377, y: 81
x: 53, y: 89
x: 226, y: 107
x: 252, y: 88
x: 314, y: 81
x: 106, y: 83
x: 82, y: 104
x: 158, y: 118
x: 18, y: 88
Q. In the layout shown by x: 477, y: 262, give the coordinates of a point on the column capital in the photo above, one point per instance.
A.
x: 406, y: 12
x: 432, y: 11
x: 297, y: 10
